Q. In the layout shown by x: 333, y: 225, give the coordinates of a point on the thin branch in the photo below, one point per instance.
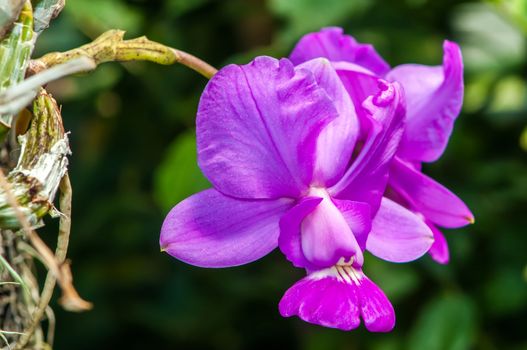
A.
x: 195, y: 63
x: 110, y: 46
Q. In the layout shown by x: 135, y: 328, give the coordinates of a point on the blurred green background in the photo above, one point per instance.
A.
x: 134, y: 158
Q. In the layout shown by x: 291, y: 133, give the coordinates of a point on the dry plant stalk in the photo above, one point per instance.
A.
x: 27, y: 194
x: 28, y: 191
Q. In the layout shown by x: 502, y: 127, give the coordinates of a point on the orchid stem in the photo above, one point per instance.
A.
x: 110, y: 46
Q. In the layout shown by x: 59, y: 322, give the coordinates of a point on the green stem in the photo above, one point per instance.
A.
x: 110, y: 46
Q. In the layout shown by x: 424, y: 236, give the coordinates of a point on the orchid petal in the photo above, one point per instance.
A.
x: 290, y: 242
x: 428, y: 197
x: 322, y: 300
x: 365, y: 180
x: 337, y: 297
x: 359, y: 83
x: 332, y: 44
x: 375, y: 308
x: 358, y: 218
x: 397, y: 234
x: 257, y: 129
x: 439, y: 250
x: 434, y: 99
x: 210, y: 229
x: 337, y: 140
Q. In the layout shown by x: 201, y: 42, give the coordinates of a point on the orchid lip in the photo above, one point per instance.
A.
x: 339, y: 297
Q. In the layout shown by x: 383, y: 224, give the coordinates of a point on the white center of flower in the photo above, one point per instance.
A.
x: 321, y: 192
x: 347, y: 274
x: 343, y: 273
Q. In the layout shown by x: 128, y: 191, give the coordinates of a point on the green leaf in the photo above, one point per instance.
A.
x: 179, y: 176
x: 446, y: 323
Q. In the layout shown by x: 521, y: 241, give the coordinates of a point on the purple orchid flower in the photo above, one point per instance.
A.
x: 299, y: 162
x: 434, y: 96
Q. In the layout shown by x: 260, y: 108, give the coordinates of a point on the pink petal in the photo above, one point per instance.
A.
x: 375, y: 308
x: 257, y: 128
x: 332, y: 44
x: 337, y: 297
x: 434, y: 97
x: 324, y: 301
x: 358, y: 217
x: 360, y: 83
x: 428, y: 197
x: 397, y: 234
x: 439, y: 250
x: 210, y: 229
x: 290, y: 241
x: 337, y: 140
x: 365, y: 181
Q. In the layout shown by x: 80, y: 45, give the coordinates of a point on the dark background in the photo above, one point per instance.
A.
x: 134, y: 158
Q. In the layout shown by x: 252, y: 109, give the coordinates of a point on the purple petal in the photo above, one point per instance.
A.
x: 358, y: 216
x: 332, y: 44
x: 434, y: 97
x: 434, y: 201
x: 335, y: 297
x: 289, y: 241
x: 209, y: 229
x: 397, y: 234
x: 359, y: 83
x: 337, y: 140
x: 375, y: 309
x: 322, y: 300
x: 365, y: 181
x: 326, y: 236
x: 257, y: 128
x: 439, y: 250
